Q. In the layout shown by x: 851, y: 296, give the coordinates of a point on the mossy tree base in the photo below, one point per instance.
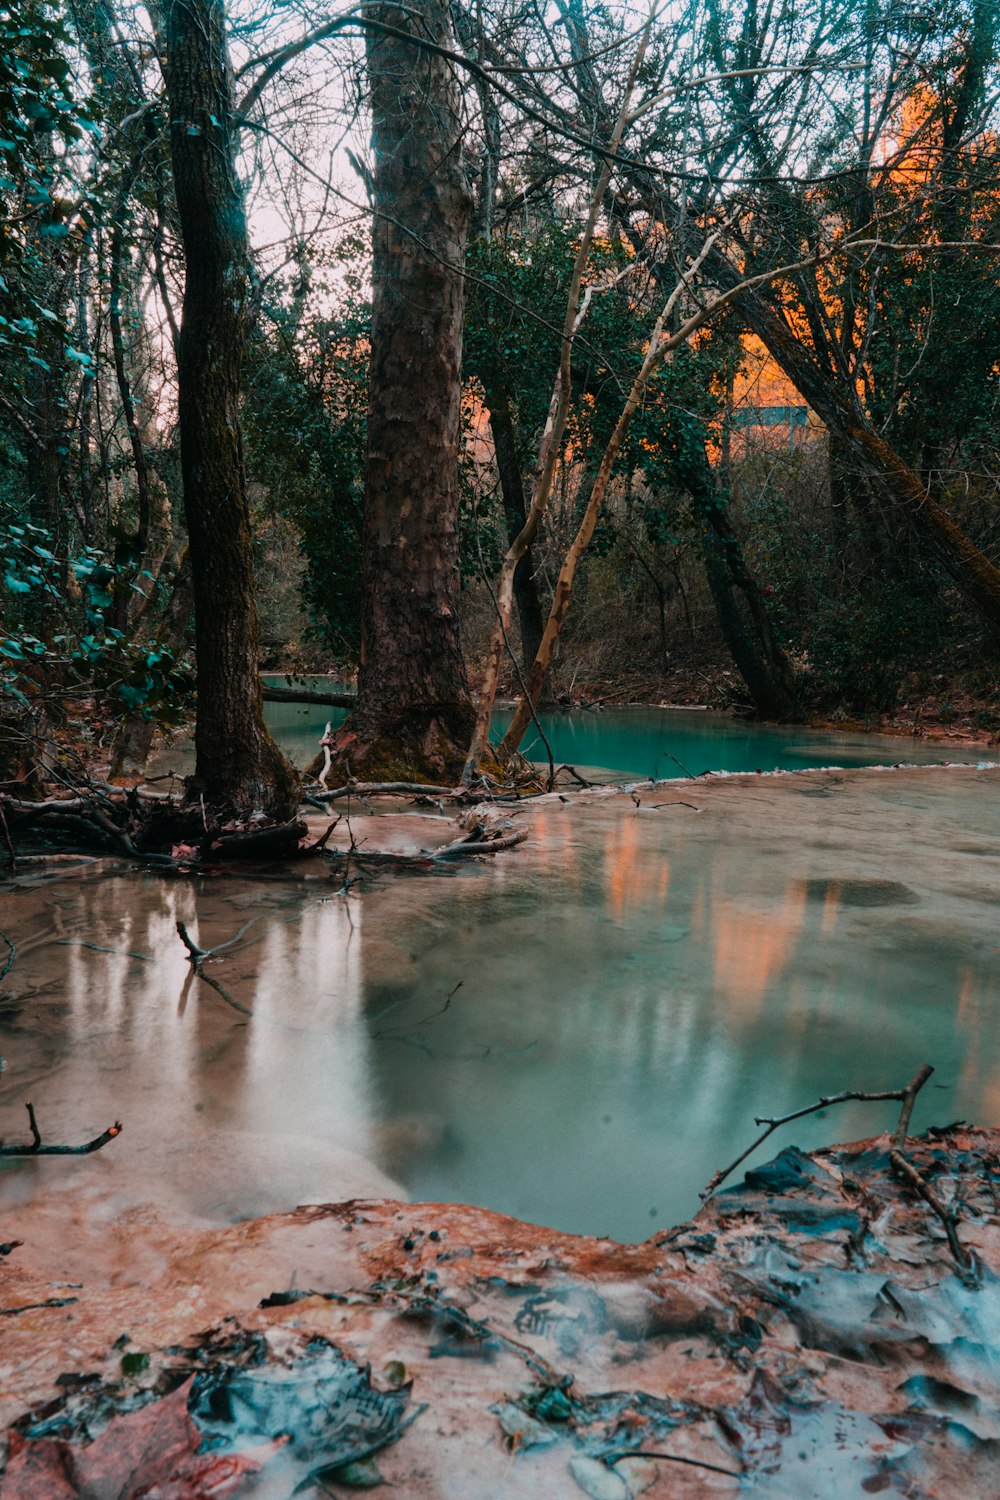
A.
x: 428, y: 745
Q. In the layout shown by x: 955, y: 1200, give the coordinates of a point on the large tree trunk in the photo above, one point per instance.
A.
x: 414, y: 715
x: 238, y: 767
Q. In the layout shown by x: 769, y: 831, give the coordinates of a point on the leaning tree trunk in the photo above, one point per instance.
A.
x: 740, y: 604
x: 238, y: 767
x: 975, y: 576
x: 515, y: 509
x: 414, y: 715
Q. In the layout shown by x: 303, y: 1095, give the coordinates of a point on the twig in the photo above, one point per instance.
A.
x: 676, y: 1458
x: 580, y: 780
x: 899, y: 1163
x: 320, y: 843
x: 197, y: 956
x: 919, y: 1183
x: 847, y: 1097
x: 12, y: 1312
x: 35, y: 1147
x: 683, y: 767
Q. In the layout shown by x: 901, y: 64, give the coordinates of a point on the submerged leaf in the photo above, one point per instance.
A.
x: 597, y: 1480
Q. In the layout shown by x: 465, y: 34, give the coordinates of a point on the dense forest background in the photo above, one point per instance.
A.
x: 729, y: 284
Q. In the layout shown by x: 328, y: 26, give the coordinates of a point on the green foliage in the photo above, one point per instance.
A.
x: 40, y: 120
x: 305, y: 418
x: 80, y: 652
x: 866, y: 628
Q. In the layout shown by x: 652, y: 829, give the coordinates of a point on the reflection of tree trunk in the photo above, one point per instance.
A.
x: 414, y: 716
x: 238, y: 767
x: 529, y: 606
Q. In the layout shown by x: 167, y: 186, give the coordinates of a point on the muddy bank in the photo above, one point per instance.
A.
x: 807, y: 1333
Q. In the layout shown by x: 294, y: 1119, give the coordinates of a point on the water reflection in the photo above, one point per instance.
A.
x: 578, y: 1034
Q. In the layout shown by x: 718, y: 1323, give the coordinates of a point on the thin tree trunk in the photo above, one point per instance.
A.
x: 526, y: 597
x: 549, y: 452
x: 413, y: 715
x: 661, y: 346
x: 972, y: 572
x: 238, y: 767
x: 135, y: 736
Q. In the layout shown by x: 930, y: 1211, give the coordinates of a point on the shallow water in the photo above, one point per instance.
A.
x: 634, y: 985
x: 640, y: 741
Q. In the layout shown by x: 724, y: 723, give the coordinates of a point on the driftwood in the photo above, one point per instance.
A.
x: 901, y: 1166
x: 34, y: 1147
x: 275, y: 841
x: 306, y: 695
x: 390, y: 789
x: 463, y: 848
x: 197, y: 956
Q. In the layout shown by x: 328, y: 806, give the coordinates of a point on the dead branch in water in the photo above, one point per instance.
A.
x: 12, y: 951
x: 197, y: 956
x: 390, y: 789
x: 461, y: 849
x: 900, y: 1164
x: 34, y: 1147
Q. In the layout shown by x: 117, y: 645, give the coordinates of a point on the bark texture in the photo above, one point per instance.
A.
x: 414, y: 715
x: 238, y: 767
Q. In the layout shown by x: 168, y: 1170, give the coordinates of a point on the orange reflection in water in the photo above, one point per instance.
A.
x: 753, y: 945
x: 634, y: 877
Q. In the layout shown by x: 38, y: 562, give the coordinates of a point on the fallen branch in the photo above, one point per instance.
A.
x: 197, y: 956
x: 900, y: 1164
x: 388, y: 789
x: 34, y: 1147
x: 277, y: 841
x: 460, y: 849
x: 10, y: 956
x: 306, y: 695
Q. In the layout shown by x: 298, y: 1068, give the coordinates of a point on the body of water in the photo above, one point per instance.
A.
x: 578, y: 1032
x: 657, y: 742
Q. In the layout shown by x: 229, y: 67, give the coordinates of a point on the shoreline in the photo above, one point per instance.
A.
x: 806, y: 1332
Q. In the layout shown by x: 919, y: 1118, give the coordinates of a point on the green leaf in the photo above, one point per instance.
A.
x: 362, y: 1475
